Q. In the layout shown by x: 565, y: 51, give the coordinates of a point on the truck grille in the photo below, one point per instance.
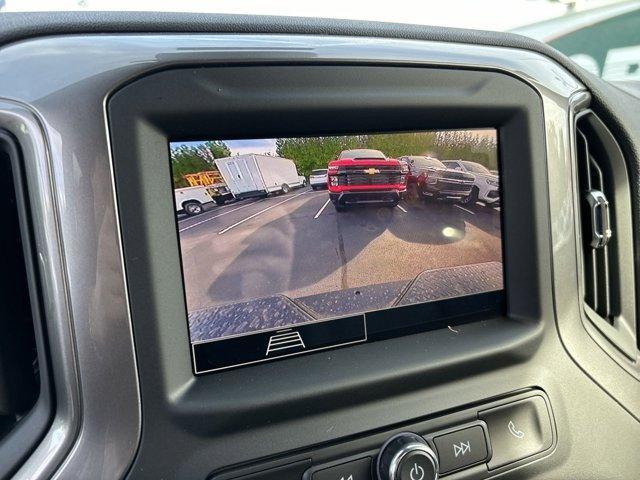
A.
x: 353, y: 176
x: 447, y: 187
x: 455, y: 175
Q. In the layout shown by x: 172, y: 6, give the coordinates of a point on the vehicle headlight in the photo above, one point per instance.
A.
x: 492, y: 182
x: 334, y: 180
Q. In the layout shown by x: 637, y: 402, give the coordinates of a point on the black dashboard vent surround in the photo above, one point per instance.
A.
x: 606, y: 233
x: 18, y: 360
x: 25, y: 400
x: 600, y: 258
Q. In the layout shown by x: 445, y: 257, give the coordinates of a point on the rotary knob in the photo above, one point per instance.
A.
x: 407, y: 456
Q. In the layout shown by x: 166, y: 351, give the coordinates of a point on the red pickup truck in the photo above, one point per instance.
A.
x: 366, y: 176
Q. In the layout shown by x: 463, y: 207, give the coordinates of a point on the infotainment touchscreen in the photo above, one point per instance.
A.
x: 294, y: 245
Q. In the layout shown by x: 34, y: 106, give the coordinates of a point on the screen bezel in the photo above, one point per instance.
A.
x: 450, y: 311
x: 178, y: 104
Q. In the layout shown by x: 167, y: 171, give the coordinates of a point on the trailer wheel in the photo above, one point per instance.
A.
x: 192, y: 208
x: 285, y: 188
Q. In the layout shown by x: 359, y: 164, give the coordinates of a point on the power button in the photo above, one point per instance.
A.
x: 407, y: 456
x: 416, y: 466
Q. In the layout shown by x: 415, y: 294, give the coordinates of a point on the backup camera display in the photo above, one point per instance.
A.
x: 293, y: 245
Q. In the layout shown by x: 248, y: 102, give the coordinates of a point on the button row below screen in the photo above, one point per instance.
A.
x: 516, y: 431
x: 503, y: 435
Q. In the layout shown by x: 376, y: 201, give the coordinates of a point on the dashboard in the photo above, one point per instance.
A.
x: 410, y: 253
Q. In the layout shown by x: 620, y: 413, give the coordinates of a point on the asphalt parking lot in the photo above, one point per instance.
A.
x: 297, y: 245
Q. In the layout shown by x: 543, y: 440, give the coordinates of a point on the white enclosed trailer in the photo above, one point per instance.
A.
x: 251, y: 174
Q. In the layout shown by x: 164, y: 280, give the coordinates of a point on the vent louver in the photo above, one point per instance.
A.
x: 606, y: 235
x: 600, y: 290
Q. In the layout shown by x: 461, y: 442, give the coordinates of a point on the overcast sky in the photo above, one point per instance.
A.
x: 239, y: 147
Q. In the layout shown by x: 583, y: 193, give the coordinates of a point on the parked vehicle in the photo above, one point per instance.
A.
x: 366, y: 177
x: 318, y: 178
x: 303, y: 181
x: 603, y: 41
x: 252, y: 175
x: 428, y: 177
x: 486, y: 187
x: 191, y: 200
x: 213, y: 180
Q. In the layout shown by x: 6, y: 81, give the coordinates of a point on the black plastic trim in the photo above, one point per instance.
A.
x: 616, y: 335
x: 176, y: 104
x: 368, y: 444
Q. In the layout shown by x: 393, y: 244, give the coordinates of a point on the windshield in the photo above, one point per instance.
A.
x: 362, y: 153
x: 602, y: 36
x: 476, y: 168
x: 426, y: 162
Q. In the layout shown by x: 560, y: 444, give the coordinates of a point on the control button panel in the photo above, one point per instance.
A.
x: 518, y: 430
x: 477, y: 442
x: 354, y: 470
x: 462, y: 448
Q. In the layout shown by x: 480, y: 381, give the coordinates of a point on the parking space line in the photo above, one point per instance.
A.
x: 258, y: 213
x: 322, y: 208
x: 216, y: 216
x: 462, y: 208
x: 400, y: 207
x: 226, y: 206
x: 482, y: 204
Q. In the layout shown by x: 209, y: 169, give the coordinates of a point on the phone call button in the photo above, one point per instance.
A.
x: 518, y: 430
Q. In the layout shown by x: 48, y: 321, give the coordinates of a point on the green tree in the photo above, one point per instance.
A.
x: 309, y: 153
x: 467, y: 145
x: 396, y: 145
x: 187, y: 159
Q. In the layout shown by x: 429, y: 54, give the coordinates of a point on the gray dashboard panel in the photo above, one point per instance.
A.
x: 81, y: 219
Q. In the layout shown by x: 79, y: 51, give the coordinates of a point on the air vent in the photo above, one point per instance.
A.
x: 600, y: 289
x: 25, y: 405
x: 18, y: 360
x: 606, y: 235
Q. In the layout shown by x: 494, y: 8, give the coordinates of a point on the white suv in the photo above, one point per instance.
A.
x: 486, y: 188
x: 318, y: 178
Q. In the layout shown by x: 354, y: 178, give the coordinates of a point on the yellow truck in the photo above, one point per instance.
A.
x: 204, y: 179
